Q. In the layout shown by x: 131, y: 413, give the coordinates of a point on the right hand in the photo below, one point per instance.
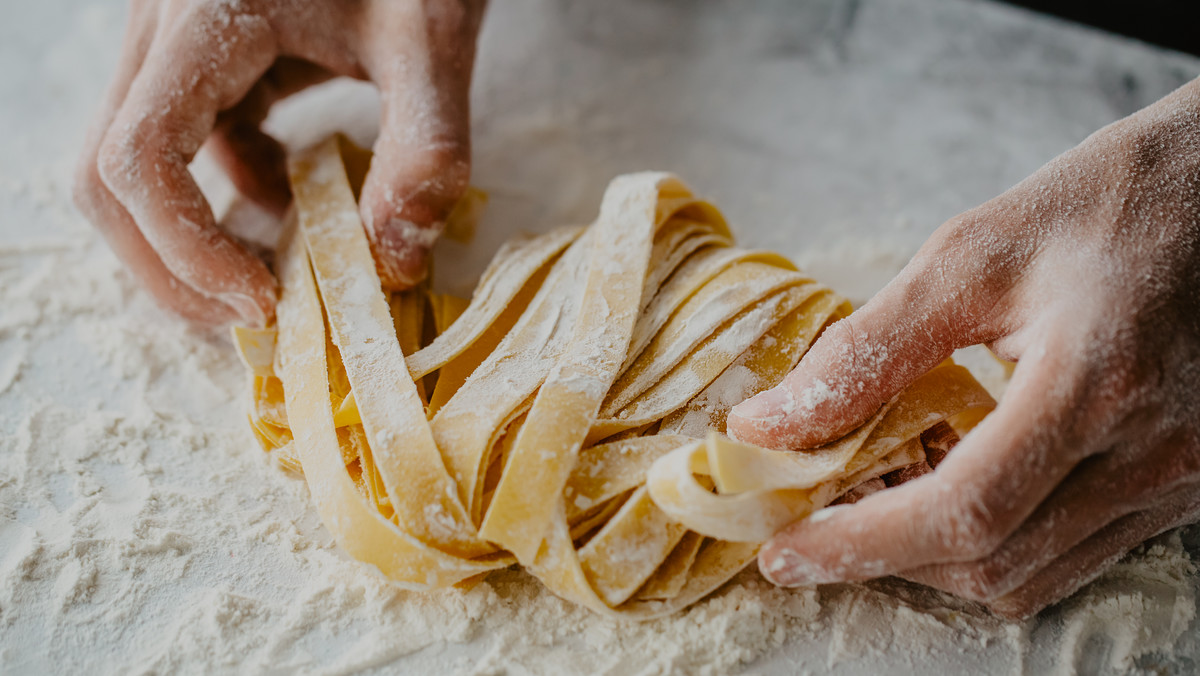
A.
x: 1087, y: 274
x: 208, y: 71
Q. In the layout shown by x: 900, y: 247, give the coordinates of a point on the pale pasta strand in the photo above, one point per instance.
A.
x: 570, y: 416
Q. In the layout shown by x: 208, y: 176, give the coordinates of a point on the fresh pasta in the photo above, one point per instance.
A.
x: 569, y: 417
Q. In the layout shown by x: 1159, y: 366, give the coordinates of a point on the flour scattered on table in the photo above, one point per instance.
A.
x: 142, y: 532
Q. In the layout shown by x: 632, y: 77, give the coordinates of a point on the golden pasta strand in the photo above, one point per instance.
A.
x: 570, y: 415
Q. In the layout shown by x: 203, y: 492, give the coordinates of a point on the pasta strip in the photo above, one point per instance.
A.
x: 569, y: 417
x: 358, y: 529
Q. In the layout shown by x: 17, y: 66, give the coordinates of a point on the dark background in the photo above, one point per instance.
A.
x: 1174, y: 24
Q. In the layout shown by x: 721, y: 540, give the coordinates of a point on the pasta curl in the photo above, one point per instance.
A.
x: 569, y: 417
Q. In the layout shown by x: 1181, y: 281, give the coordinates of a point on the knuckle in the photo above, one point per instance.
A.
x: 1142, y: 146
x: 981, y: 580
x: 443, y: 169
x: 960, y: 233
x: 842, y: 336
x: 970, y: 529
x: 428, y: 186
x: 973, y: 261
x: 986, y: 580
x: 1123, y: 374
x: 140, y: 143
x: 971, y: 580
x: 962, y: 580
x: 117, y: 158
x: 86, y: 186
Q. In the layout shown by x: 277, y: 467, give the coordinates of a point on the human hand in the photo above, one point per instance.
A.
x: 208, y: 71
x: 1087, y: 274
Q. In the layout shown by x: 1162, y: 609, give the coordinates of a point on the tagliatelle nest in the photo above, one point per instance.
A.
x: 569, y: 417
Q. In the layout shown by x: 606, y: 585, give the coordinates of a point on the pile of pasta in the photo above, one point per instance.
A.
x: 569, y: 417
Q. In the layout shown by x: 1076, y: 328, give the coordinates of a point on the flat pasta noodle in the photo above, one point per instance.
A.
x: 569, y: 417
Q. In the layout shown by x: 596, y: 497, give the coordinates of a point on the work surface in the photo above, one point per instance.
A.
x: 142, y: 531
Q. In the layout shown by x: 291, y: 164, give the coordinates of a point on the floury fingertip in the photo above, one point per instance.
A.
x: 766, y: 408
x: 825, y: 513
x: 783, y: 567
x: 250, y: 312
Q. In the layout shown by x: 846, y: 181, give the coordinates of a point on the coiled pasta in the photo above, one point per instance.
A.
x: 569, y: 416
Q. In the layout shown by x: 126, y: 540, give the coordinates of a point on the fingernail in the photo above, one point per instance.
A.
x: 401, y: 250
x: 414, y: 235
x: 768, y: 407
x: 783, y: 567
x: 824, y: 513
x: 245, y: 306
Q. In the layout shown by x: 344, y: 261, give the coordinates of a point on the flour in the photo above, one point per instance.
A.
x: 141, y: 531
x: 1131, y: 610
x: 144, y: 533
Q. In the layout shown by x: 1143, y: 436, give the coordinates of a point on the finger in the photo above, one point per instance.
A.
x: 1088, y: 560
x: 945, y: 298
x: 204, y: 61
x: 255, y: 162
x: 93, y: 198
x: 1101, y: 490
x: 979, y: 494
x: 421, y: 58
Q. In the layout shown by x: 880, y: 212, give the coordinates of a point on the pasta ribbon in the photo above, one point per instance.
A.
x: 569, y: 417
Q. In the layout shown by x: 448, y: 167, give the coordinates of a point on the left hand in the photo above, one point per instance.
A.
x: 206, y: 72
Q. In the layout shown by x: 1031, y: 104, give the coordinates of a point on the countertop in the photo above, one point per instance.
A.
x: 840, y: 132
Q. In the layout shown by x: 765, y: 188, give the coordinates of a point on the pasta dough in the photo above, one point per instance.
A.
x: 569, y: 416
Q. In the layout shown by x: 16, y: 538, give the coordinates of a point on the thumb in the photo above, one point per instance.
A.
x: 422, y: 157
x: 860, y: 362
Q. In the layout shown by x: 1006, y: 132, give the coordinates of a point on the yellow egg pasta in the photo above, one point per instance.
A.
x: 569, y: 417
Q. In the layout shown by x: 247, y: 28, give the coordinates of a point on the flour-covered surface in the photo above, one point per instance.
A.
x: 141, y: 531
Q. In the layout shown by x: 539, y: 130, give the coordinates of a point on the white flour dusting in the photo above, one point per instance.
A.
x: 141, y: 531
x: 144, y: 533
